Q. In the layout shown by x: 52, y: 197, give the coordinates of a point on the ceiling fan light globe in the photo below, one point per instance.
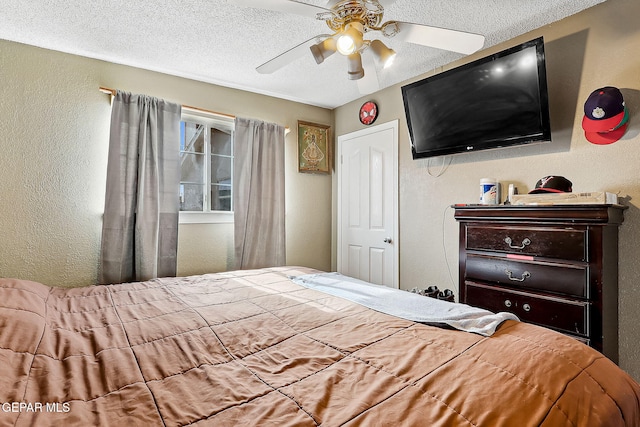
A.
x: 351, y: 39
x: 356, y: 75
x: 384, y: 55
x: 389, y: 61
x: 317, y: 53
x: 323, y: 50
x: 355, y: 71
x: 346, y: 45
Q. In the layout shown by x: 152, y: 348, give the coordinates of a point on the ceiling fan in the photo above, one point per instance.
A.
x: 349, y: 21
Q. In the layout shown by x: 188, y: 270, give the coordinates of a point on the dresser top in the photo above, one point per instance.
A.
x: 592, y: 213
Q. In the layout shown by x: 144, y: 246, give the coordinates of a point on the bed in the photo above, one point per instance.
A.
x: 262, y: 348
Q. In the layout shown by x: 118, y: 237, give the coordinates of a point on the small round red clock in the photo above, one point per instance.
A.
x: 368, y: 113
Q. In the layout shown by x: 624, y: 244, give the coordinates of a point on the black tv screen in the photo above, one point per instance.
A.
x: 497, y: 101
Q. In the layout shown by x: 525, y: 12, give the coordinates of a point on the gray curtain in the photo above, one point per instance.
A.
x: 140, y: 224
x: 258, y: 190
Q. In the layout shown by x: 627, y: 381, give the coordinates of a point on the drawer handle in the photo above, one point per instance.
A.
x: 524, y: 276
x: 525, y: 242
x: 526, y: 307
x: 507, y: 303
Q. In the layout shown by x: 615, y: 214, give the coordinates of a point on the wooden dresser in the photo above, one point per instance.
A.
x: 555, y: 266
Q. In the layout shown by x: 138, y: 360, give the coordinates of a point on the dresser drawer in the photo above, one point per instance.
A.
x: 566, y: 279
x: 562, y: 243
x: 558, y: 313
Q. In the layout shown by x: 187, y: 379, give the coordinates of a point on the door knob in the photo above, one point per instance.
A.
x: 387, y: 240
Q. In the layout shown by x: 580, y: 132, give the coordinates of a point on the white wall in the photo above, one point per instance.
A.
x: 595, y: 48
x: 54, y: 129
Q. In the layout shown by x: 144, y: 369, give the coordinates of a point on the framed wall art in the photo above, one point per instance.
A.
x: 314, y: 148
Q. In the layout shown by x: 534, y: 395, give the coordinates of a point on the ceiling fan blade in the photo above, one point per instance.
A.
x: 369, y: 83
x: 290, y: 55
x: 285, y: 6
x: 441, y: 38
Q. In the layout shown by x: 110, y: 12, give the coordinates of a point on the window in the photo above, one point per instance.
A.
x: 206, y: 168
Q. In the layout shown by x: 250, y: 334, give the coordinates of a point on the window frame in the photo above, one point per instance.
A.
x: 208, y: 216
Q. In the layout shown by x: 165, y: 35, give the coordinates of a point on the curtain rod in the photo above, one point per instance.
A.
x: 112, y: 92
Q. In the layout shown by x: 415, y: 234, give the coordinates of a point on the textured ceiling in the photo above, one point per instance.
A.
x: 219, y: 42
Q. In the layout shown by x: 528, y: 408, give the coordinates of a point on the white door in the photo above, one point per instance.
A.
x: 368, y: 204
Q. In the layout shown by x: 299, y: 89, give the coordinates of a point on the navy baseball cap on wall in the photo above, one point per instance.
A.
x: 604, y: 110
x: 552, y: 184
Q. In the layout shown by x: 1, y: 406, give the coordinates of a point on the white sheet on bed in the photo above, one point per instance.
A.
x: 405, y: 304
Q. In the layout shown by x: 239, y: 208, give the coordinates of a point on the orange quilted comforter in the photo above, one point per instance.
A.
x: 251, y: 348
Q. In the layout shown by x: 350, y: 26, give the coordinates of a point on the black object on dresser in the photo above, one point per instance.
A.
x: 555, y: 266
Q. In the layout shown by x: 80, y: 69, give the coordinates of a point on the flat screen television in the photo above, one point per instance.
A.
x: 497, y: 101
